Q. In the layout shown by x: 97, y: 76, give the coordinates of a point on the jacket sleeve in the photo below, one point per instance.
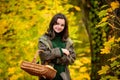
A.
x: 67, y: 60
x: 48, y: 54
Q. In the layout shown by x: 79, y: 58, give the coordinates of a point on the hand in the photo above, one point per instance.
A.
x: 65, y: 51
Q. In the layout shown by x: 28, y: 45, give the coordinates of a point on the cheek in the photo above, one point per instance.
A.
x: 63, y: 28
x: 54, y: 27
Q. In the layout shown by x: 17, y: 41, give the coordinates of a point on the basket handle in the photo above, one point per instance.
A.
x: 36, y: 55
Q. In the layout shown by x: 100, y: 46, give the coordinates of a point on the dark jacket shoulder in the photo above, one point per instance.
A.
x: 45, y: 40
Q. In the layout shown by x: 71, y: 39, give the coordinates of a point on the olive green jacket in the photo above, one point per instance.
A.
x: 51, y: 53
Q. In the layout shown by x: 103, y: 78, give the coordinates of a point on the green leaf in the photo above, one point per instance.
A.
x: 102, y: 24
x: 77, y: 41
x: 102, y: 13
x: 115, y: 63
x: 104, y: 70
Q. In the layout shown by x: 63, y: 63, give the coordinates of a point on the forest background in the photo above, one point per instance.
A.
x: 94, y: 26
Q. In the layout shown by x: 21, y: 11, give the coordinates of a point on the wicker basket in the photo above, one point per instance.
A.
x: 32, y: 68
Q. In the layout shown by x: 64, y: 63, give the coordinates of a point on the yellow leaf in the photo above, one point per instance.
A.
x: 112, y: 59
x: 77, y: 8
x: 11, y: 70
x: 78, y: 63
x: 118, y: 40
x: 106, y: 50
x: 85, y: 60
x: 83, y: 69
x: 14, y: 77
x: 4, y: 26
x: 107, y: 46
x: 109, y: 10
x: 112, y: 39
x: 110, y: 42
x: 104, y: 19
x: 82, y: 76
x: 115, y: 5
x: 104, y: 70
x: 1, y: 70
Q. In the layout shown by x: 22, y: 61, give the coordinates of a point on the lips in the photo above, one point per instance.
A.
x: 57, y: 30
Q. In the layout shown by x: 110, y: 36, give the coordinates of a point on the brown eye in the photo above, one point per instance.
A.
x: 62, y: 25
x: 56, y: 23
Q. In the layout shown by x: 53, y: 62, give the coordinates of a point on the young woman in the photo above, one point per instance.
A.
x: 58, y: 47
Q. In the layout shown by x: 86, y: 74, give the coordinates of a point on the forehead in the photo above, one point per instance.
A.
x: 62, y: 21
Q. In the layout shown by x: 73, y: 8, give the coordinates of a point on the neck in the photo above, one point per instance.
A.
x: 58, y: 34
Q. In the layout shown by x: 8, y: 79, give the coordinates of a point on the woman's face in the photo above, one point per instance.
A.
x: 59, y: 26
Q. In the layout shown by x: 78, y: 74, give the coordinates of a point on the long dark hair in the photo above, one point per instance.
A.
x: 51, y: 32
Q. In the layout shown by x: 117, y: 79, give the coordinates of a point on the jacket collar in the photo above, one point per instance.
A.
x: 45, y: 39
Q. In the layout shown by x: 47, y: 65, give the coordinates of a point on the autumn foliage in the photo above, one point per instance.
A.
x: 96, y: 42
x: 22, y: 23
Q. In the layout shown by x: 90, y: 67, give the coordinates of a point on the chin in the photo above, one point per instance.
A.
x: 58, y: 32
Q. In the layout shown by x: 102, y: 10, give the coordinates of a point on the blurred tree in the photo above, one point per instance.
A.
x: 94, y: 15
